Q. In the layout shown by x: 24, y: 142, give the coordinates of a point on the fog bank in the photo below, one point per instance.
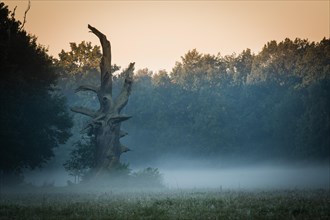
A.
x: 238, y: 177
x: 263, y: 177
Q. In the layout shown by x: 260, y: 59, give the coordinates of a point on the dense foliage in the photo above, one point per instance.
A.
x: 34, y: 117
x: 273, y: 105
x: 81, y: 159
x: 270, y: 105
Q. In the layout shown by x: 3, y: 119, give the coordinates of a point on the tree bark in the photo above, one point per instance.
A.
x: 105, y: 123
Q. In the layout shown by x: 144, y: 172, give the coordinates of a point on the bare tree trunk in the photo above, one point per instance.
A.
x: 106, y: 122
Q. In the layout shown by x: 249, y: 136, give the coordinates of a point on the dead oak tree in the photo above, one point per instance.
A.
x: 105, y: 123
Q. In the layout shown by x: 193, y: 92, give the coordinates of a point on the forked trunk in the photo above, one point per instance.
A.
x: 106, y: 122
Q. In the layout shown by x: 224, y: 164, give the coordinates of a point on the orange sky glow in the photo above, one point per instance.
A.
x: 155, y: 34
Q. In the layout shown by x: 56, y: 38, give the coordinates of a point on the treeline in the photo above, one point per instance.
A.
x: 274, y: 104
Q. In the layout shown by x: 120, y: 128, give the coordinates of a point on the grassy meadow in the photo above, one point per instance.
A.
x: 80, y: 203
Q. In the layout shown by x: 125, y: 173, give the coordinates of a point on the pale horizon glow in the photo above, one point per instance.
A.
x: 155, y: 34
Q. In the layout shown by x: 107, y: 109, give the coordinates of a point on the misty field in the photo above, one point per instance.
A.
x: 69, y: 203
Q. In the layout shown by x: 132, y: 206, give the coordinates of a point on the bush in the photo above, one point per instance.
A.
x: 148, y: 177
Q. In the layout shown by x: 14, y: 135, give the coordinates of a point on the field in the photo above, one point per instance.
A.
x: 73, y: 203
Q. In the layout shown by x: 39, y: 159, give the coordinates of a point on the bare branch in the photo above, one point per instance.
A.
x: 99, y: 117
x: 101, y: 36
x: 122, y: 98
x: 25, y: 13
x: 124, y: 149
x: 87, y: 88
x: 119, y: 118
x: 122, y: 134
x: 13, y: 13
x: 84, y: 111
x: 95, y: 122
x: 87, y: 128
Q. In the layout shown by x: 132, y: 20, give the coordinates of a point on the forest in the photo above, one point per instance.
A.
x: 247, y: 107
x: 230, y: 110
x: 255, y: 107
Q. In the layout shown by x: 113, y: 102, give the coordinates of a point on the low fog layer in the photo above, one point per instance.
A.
x: 196, y: 174
x: 249, y: 178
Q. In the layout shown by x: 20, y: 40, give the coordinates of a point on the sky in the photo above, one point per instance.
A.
x: 155, y: 34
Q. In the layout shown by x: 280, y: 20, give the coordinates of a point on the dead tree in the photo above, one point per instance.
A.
x: 105, y: 123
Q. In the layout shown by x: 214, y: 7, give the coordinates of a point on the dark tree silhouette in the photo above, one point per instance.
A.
x: 106, y: 122
x: 34, y: 117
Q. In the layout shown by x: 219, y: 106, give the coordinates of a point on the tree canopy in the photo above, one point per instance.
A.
x: 34, y: 117
x: 270, y: 105
x: 274, y: 104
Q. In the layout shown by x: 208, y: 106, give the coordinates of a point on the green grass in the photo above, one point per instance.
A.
x: 70, y: 203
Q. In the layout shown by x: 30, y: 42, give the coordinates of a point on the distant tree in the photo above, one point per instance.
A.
x: 143, y: 76
x: 82, y: 58
x: 148, y: 177
x: 161, y: 79
x: 243, y: 65
x: 82, y: 159
x: 79, y: 66
x: 312, y: 138
x: 34, y: 117
x: 285, y: 62
x: 314, y: 65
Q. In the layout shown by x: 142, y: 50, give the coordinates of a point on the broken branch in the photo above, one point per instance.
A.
x: 87, y: 88
x: 122, y: 98
x: 105, y: 65
x: 84, y: 111
x: 119, y: 118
